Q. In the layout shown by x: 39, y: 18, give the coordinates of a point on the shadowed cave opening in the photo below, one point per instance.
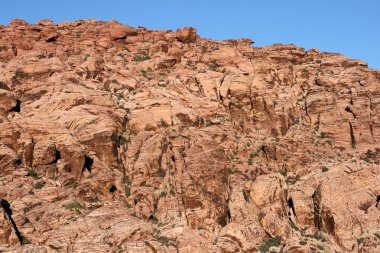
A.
x: 7, y: 209
x: 88, y: 162
x: 113, y: 189
x: 377, y: 201
x: 17, y: 108
x: 3, y: 86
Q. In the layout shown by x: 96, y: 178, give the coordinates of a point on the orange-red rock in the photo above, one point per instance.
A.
x: 122, y: 139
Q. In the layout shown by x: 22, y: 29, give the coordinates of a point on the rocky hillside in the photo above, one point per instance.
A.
x: 121, y: 139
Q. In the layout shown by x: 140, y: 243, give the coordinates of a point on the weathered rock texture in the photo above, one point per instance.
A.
x: 121, y: 139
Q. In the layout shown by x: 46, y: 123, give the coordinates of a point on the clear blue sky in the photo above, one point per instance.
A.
x: 350, y: 27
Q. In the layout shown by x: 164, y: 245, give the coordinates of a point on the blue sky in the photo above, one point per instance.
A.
x: 345, y: 26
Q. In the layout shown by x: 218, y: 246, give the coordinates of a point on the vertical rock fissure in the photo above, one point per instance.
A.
x: 353, y: 143
x: 317, y: 209
x: 7, y: 209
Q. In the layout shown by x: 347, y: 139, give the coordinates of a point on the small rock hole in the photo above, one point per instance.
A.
x: 113, y: 189
x: 17, y: 108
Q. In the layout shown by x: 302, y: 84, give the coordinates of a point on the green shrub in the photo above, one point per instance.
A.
x: 251, y: 156
x: 320, y: 247
x: 324, y: 169
x: 213, y: 66
x: 24, y: 240
x: 33, y: 174
x: 73, y: 205
x: 163, y: 194
x: 272, y: 242
x: 38, y: 185
x: 138, y: 58
x: 303, y: 243
x: 146, y: 74
x: 163, y: 239
x: 360, y: 240
x: 127, y: 191
x: 317, y: 236
x: 122, y: 140
x: 230, y: 171
x: 209, y: 123
x: 127, y: 180
x: 162, y: 173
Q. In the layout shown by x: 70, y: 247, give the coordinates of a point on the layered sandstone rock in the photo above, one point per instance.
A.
x: 122, y: 139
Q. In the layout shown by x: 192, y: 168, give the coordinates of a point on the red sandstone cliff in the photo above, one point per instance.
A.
x: 121, y: 139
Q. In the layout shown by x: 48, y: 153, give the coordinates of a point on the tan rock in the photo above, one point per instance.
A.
x: 186, y: 34
x: 44, y: 153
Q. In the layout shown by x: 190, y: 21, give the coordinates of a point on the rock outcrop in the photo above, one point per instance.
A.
x: 122, y: 139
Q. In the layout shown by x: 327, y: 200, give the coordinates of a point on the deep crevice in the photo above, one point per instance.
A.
x: 317, y: 209
x: 228, y: 216
x: 291, y: 206
x: 246, y: 195
x: 377, y: 200
x: 353, y: 143
x: 7, y: 209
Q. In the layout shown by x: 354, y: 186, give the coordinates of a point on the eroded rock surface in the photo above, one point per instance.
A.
x: 122, y: 139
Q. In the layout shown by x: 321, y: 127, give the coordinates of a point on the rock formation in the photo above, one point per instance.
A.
x: 122, y: 139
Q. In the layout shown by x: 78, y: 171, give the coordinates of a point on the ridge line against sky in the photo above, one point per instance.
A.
x: 348, y: 27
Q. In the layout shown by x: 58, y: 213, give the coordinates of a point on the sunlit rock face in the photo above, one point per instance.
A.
x: 122, y: 139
